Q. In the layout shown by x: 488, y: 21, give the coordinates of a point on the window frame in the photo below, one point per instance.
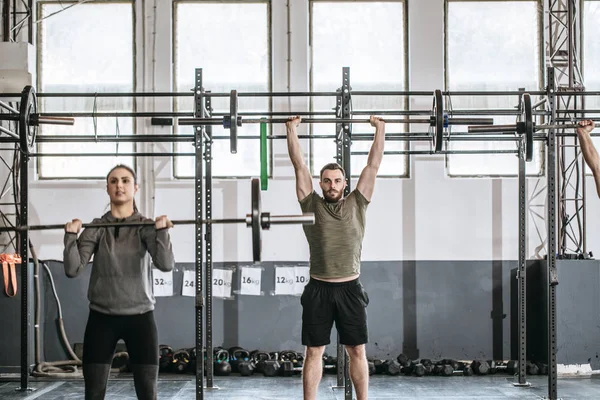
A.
x: 39, y: 83
x: 174, y: 4
x: 582, y: 38
x: 541, y: 85
x: 406, y: 99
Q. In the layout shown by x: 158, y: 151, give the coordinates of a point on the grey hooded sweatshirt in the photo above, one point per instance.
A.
x: 121, y: 280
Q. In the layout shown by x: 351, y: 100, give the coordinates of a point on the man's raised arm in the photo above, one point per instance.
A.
x: 366, y: 182
x: 304, y: 185
x: 590, y: 155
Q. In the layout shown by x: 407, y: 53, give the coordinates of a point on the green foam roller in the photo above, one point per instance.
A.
x: 264, y: 175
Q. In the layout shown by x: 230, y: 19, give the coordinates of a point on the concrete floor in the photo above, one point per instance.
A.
x: 262, y: 388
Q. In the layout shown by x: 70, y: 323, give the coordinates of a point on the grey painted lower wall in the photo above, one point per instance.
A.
x: 433, y: 309
x: 577, y: 312
x: 10, y: 325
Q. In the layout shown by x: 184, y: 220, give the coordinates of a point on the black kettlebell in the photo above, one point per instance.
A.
x: 120, y: 361
x: 192, y: 352
x: 259, y: 357
x: 165, y: 356
x: 220, y: 355
x: 237, y: 354
x: 245, y: 368
x: 180, y: 361
x: 222, y: 368
x: 221, y: 362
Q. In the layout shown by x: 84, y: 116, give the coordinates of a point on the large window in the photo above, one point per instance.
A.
x: 230, y: 42
x: 591, y: 56
x: 87, y: 48
x: 368, y: 37
x: 491, y: 45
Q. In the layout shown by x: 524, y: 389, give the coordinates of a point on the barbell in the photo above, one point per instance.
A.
x: 525, y: 125
x: 28, y: 118
x: 257, y: 220
x: 438, y: 120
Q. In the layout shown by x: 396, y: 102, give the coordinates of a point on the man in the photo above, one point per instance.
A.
x: 588, y: 150
x: 334, y: 292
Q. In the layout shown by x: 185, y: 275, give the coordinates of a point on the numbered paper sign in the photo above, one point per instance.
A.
x: 302, y: 275
x: 221, y: 284
x: 162, y: 282
x: 188, y: 287
x: 250, y: 281
x: 284, y: 280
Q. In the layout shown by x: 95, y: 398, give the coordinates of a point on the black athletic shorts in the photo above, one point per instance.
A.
x: 326, y: 302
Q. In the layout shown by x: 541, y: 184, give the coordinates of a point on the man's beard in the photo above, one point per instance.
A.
x: 332, y: 197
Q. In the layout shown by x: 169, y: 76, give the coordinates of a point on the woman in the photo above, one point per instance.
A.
x: 120, y: 287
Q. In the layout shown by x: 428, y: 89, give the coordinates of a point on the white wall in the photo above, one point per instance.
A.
x: 428, y: 216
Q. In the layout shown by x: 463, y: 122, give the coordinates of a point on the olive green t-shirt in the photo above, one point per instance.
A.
x: 335, y: 240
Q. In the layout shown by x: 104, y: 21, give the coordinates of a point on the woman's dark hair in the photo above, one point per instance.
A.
x: 128, y: 168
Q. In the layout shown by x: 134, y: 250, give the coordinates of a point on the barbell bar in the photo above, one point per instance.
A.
x: 308, y: 94
x: 511, y: 128
x: 29, y: 119
x: 438, y: 120
x: 257, y: 220
x: 451, y: 121
x: 166, y: 118
x: 558, y: 126
x: 37, y: 119
x: 525, y: 126
x: 176, y: 138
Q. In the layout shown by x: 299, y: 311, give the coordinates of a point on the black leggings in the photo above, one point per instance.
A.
x: 141, y: 339
x: 104, y: 331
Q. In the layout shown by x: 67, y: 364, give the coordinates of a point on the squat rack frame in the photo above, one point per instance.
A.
x: 202, y: 140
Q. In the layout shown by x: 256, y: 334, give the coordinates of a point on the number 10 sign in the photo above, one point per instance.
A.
x: 291, y: 280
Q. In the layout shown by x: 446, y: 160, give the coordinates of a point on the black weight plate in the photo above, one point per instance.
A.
x: 256, y: 225
x: 233, y: 112
x: 438, y: 120
x: 527, y: 118
x: 27, y: 108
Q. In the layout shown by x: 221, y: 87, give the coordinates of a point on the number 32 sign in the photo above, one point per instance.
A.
x: 162, y: 282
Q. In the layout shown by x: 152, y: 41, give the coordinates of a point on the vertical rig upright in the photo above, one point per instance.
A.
x: 343, y: 157
x: 198, y: 177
